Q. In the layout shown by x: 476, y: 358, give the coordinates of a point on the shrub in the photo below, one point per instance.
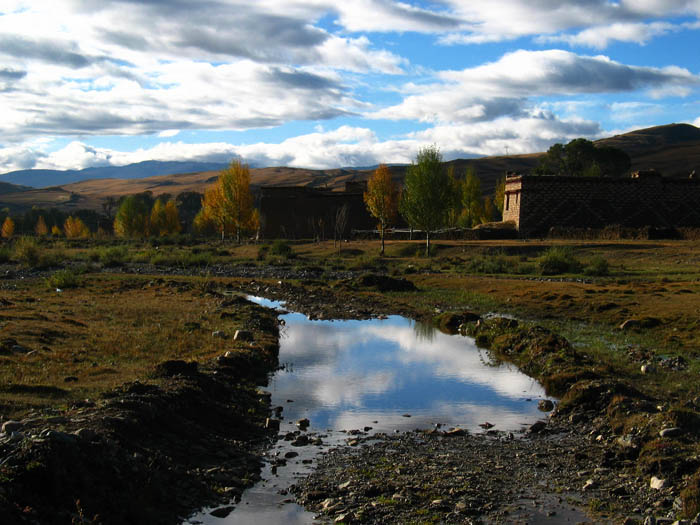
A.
x: 281, y: 248
x: 196, y: 259
x: 5, y: 254
x: 114, y: 256
x: 64, y: 279
x: 559, y: 259
x: 26, y: 251
x: 598, y: 266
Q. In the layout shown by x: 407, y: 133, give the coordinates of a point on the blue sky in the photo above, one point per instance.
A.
x: 324, y: 84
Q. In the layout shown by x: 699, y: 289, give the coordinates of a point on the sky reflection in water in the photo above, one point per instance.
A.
x: 345, y: 375
x: 348, y: 374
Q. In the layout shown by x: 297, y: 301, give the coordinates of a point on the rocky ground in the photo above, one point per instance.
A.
x: 152, y: 453
x: 552, y: 474
x: 146, y: 452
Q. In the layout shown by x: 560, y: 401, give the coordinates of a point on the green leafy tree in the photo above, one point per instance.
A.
x: 382, y: 199
x: 132, y: 217
x: 581, y: 157
x: 427, y: 194
x: 499, y: 195
x: 471, y: 200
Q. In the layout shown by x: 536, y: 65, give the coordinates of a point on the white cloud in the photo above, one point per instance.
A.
x: 344, y: 146
x: 599, y: 37
x: 502, y: 88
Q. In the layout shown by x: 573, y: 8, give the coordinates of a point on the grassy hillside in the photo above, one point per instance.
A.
x: 673, y: 149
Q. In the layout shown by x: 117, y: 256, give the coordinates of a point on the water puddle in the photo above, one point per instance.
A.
x: 378, y: 375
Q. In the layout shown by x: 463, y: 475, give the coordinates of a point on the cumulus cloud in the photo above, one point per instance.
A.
x: 459, y: 96
x: 343, y: 146
x: 600, y: 37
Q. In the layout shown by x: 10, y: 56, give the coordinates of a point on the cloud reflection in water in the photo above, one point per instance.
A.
x: 347, y: 374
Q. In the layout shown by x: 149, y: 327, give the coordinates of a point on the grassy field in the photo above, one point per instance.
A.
x: 111, y: 324
x: 80, y: 318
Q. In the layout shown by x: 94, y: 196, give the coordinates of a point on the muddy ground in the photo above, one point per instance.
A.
x: 192, y: 436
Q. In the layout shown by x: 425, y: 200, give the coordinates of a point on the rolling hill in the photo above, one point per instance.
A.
x: 674, y: 150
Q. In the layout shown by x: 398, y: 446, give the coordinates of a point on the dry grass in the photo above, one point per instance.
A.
x: 112, y: 329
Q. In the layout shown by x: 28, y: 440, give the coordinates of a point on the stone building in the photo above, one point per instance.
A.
x: 538, y: 203
x: 300, y: 212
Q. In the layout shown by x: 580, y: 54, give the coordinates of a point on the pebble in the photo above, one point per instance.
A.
x: 8, y: 427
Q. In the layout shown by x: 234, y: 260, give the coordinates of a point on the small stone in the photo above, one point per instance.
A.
x: 589, y: 484
x: 291, y: 454
x: 303, y: 424
x: 243, y: 335
x: 219, y: 333
x: 647, y: 369
x: 657, y: 483
x: 222, y: 512
x: 455, y: 432
x: 8, y: 427
x: 301, y: 441
x: 273, y: 424
x: 344, y: 485
x: 670, y: 432
x: 545, y: 405
x: 630, y: 324
x: 87, y: 434
x: 537, y: 427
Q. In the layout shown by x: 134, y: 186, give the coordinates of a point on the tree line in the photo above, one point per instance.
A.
x: 432, y: 197
x: 225, y: 208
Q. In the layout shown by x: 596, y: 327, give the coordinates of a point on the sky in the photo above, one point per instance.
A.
x: 326, y: 84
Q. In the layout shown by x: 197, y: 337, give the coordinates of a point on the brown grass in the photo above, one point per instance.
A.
x: 113, y: 329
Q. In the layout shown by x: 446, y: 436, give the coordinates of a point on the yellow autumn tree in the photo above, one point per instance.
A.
x: 41, y: 229
x: 74, y: 228
x: 8, y: 228
x: 382, y: 199
x: 165, y: 219
x: 56, y: 231
x: 228, y: 205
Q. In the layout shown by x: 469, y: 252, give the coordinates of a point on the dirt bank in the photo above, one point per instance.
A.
x: 147, y: 452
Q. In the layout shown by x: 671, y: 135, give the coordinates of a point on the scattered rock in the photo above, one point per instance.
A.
x: 243, y: 335
x: 657, y: 483
x: 629, y: 324
x: 8, y: 427
x: 291, y: 454
x: 670, y: 432
x: 219, y: 333
x: 273, y: 424
x: 175, y: 367
x: 222, y: 512
x: 545, y: 405
x: 456, y: 432
x: 301, y: 441
x: 537, y: 427
x: 303, y: 424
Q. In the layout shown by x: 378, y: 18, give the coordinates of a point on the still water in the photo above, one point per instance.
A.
x: 389, y: 374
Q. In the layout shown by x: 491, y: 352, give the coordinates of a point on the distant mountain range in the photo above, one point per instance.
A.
x: 674, y: 150
x: 140, y: 170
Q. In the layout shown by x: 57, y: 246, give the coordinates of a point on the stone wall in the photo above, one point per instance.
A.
x: 308, y: 213
x: 538, y: 203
